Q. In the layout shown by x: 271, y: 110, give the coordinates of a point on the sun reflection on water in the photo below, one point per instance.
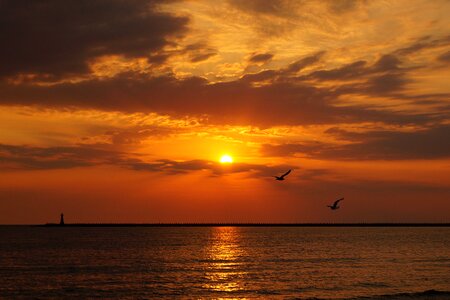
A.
x: 224, y: 256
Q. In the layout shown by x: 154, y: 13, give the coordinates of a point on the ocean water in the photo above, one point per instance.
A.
x: 224, y: 263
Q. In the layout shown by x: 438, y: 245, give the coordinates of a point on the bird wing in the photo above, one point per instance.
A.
x: 337, y: 201
x: 285, y: 174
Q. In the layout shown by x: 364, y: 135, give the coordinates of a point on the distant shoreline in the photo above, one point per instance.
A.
x: 246, y: 225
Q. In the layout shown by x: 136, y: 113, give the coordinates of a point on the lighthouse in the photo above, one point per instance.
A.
x: 61, y: 222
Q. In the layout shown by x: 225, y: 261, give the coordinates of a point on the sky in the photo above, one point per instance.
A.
x: 120, y: 111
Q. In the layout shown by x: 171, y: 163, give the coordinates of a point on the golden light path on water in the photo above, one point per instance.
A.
x: 224, y: 272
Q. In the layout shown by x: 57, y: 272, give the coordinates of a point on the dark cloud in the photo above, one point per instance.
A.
x: 281, y: 102
x: 199, y: 52
x: 291, y: 8
x: 267, y: 98
x: 236, y: 102
x: 343, y: 6
x: 39, y: 158
x: 432, y: 143
x: 270, y: 7
x: 27, y: 157
x: 260, y: 58
x: 137, y: 134
x: 290, y: 70
x: 304, y: 62
x: 385, y: 77
x: 385, y: 64
x: 444, y: 57
x: 290, y: 149
x: 386, y: 83
x: 352, y: 70
x: 216, y: 169
x: 260, y: 76
x: 202, y: 57
x: 313, y: 174
x: 424, y: 43
x: 388, y: 62
x: 61, y: 37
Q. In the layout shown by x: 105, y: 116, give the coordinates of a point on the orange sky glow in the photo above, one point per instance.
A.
x: 122, y: 111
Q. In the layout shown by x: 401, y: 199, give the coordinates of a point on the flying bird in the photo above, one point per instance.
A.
x: 335, y: 204
x: 282, y: 176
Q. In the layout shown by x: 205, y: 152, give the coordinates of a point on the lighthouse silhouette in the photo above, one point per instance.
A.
x: 61, y: 222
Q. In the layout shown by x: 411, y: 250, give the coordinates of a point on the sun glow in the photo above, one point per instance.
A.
x: 226, y: 159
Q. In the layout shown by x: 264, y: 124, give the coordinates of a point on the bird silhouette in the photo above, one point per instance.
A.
x: 282, y: 176
x: 335, y: 204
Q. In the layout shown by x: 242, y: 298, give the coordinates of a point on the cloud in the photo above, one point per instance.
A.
x: 27, y: 157
x: 199, y: 52
x: 260, y: 58
x: 61, y: 37
x: 313, y: 174
x: 260, y: 76
x: 285, y: 96
x: 286, y: 18
x: 40, y: 158
x: 236, y: 102
x: 172, y: 167
x: 303, y: 63
x: 352, y: 70
x: 202, y: 57
x: 444, y: 57
x: 269, y: 7
x: 291, y: 69
x: 385, y: 64
x: 136, y: 134
x: 386, y: 83
x: 292, y: 8
x: 429, y: 143
x: 282, y: 101
x: 343, y: 6
x: 383, y: 78
x: 424, y: 43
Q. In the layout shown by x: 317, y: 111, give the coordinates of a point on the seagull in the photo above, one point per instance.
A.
x: 335, y: 204
x: 282, y: 176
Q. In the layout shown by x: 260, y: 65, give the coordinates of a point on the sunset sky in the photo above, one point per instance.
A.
x: 120, y: 111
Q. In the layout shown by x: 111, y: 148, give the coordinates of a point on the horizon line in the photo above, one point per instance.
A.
x: 251, y: 224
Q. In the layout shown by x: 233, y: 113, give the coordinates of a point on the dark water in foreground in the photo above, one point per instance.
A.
x: 224, y: 262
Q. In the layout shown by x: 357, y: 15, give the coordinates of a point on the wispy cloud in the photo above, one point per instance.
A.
x: 372, y: 145
x: 48, y: 158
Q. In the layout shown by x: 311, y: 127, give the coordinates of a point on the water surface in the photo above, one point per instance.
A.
x: 223, y: 262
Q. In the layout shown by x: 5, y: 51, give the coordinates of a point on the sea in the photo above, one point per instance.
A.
x: 224, y: 262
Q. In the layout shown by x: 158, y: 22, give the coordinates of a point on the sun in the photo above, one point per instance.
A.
x: 226, y: 159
